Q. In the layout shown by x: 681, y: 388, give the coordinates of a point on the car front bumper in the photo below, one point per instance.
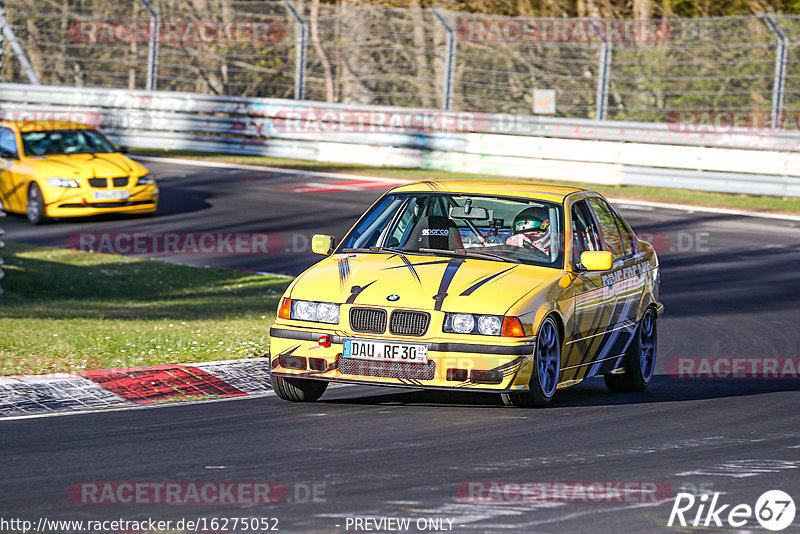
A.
x: 298, y: 353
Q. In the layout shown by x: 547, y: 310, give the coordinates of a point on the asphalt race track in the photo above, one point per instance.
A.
x: 730, y: 286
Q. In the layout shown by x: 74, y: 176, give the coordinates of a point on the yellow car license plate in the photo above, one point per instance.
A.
x: 385, y: 351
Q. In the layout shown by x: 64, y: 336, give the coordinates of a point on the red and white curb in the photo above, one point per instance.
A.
x: 116, y: 388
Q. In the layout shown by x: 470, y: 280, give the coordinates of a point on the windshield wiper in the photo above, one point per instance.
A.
x: 372, y: 249
x: 472, y: 254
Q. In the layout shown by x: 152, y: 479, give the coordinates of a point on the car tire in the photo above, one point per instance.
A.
x: 298, y: 389
x: 35, y: 210
x: 546, y: 369
x: 640, y: 360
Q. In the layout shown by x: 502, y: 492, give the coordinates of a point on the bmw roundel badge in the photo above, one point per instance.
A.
x: 393, y: 298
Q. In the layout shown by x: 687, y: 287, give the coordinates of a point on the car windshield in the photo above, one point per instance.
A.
x: 52, y: 142
x: 481, y: 226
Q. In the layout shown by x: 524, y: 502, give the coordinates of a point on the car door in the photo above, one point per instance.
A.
x: 594, y: 300
x: 621, y: 283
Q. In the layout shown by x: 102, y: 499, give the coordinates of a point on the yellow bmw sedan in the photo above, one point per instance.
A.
x: 510, y: 287
x: 52, y: 169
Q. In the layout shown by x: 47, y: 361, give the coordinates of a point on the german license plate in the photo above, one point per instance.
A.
x: 112, y: 195
x: 385, y: 351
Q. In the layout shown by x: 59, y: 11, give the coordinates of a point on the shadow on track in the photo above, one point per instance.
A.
x: 590, y: 393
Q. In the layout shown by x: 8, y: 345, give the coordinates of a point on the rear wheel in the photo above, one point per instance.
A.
x: 298, y: 389
x: 35, y: 210
x: 640, y: 360
x: 546, y: 369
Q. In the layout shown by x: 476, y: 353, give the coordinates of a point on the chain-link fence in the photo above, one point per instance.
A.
x: 623, y: 70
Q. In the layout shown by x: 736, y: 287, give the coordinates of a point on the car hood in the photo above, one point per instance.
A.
x: 420, y: 282
x: 87, y: 165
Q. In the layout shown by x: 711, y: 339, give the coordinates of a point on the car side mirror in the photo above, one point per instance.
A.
x: 5, y: 154
x: 596, y: 260
x: 123, y: 149
x: 322, y: 244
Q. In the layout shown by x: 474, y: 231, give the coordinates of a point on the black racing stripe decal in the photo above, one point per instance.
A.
x: 471, y: 289
x: 510, y: 366
x: 447, y: 278
x: 411, y: 269
x: 344, y: 272
x: 413, y: 265
x: 355, y: 291
x: 287, y: 352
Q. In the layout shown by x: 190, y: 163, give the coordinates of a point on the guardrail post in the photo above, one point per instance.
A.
x: 8, y: 34
x: 152, y: 46
x: 450, y: 58
x: 301, y: 51
x: 780, y: 68
x: 601, y: 106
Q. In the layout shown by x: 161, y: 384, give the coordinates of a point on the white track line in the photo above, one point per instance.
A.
x: 342, y: 176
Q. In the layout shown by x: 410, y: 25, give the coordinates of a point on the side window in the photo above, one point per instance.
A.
x: 629, y: 239
x: 584, y: 233
x: 7, y: 141
x: 612, y: 241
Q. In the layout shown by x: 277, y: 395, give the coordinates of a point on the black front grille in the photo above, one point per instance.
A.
x: 121, y: 181
x: 372, y: 320
x: 98, y: 183
x: 408, y: 323
x: 409, y: 371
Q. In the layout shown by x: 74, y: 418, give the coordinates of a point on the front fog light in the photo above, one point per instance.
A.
x: 304, y: 310
x: 463, y: 323
x: 489, y: 325
x: 328, y: 313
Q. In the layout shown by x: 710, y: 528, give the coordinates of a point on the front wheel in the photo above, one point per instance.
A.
x: 640, y: 360
x: 298, y: 389
x: 36, y: 210
x: 546, y: 369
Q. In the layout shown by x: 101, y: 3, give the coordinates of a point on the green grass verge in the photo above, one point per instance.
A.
x: 69, y: 311
x: 767, y: 204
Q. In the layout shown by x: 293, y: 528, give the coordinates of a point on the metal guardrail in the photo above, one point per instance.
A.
x: 627, y: 153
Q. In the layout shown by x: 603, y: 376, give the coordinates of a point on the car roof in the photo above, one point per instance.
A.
x: 45, y: 125
x: 520, y: 187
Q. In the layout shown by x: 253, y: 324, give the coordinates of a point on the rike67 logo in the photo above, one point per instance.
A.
x: 774, y: 510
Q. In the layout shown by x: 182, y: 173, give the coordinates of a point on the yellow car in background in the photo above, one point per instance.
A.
x: 510, y: 287
x: 51, y: 169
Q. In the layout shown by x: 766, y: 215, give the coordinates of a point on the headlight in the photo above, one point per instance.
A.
x: 468, y: 323
x: 147, y: 179
x: 489, y: 325
x: 63, y: 182
x: 463, y: 323
x: 328, y: 313
x: 318, y: 312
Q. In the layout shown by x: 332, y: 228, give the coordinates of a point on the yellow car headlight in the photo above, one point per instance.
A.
x: 57, y: 181
x: 485, y: 325
x: 146, y: 179
x: 317, y: 312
